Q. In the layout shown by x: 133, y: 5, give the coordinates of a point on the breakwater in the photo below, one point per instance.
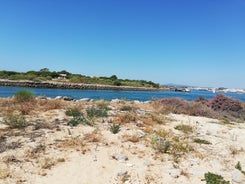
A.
x: 67, y: 85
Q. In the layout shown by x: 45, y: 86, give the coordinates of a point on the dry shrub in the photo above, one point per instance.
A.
x: 224, y: 103
x: 4, y: 170
x: 4, y: 146
x: 92, y: 137
x: 10, y: 106
x: 148, y: 121
x: 35, y: 152
x: 131, y: 138
x: 184, y: 128
x: 47, y: 163
x: 14, y: 120
x: 73, y: 143
x: 153, y: 119
x: 180, y: 106
x: 229, y: 107
x: 46, y: 105
x: 125, y: 118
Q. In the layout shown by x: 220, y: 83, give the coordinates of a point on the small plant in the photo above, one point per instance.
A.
x: 201, y: 141
x: 184, y: 128
x: 211, y: 178
x: 79, y: 120
x: 96, y: 112
x: 103, y: 105
x: 159, y: 119
x: 15, y: 121
x: 24, y: 96
x: 160, y: 144
x: 73, y: 112
x: 115, y: 128
x: 226, y: 121
x: 126, y: 108
x: 239, y: 167
x: 78, y: 117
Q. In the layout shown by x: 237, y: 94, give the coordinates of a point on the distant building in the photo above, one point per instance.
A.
x: 62, y: 76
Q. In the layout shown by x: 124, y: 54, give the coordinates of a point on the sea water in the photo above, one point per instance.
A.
x: 110, y: 94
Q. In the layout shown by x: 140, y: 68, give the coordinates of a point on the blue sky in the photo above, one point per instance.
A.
x: 195, y: 42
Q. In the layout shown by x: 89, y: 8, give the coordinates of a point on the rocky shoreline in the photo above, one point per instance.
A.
x: 67, y: 85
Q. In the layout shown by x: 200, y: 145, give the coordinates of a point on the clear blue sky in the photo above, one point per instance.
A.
x: 195, y: 42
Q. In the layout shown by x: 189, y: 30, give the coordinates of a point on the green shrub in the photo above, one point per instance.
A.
x: 115, y: 128
x: 78, y: 117
x: 96, y: 112
x: 79, y: 120
x: 184, y: 128
x: 201, y: 141
x: 126, y: 108
x: 24, y: 96
x: 73, y: 112
x: 211, y: 178
x: 15, y: 121
x: 238, y: 166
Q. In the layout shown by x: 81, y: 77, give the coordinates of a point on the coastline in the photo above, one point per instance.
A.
x: 66, y: 85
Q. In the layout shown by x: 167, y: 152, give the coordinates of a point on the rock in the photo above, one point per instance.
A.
x: 147, y: 163
x: 42, y: 98
x: 58, y: 98
x: 237, y: 176
x: 66, y: 98
x: 129, y: 165
x: 115, y: 100
x: 208, y: 132
x: 141, y: 134
x: 84, y: 100
x: 122, y: 173
x: 136, y: 101
x: 175, y: 173
x: 120, y: 158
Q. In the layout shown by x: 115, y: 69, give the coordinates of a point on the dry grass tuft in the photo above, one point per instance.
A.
x: 125, y: 118
x: 131, y: 138
x: 73, y: 143
x: 46, y: 105
x: 4, y: 171
x: 92, y: 137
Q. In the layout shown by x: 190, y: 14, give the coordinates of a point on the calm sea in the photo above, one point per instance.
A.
x: 109, y: 95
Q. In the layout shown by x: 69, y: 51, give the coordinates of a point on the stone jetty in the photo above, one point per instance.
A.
x: 67, y: 85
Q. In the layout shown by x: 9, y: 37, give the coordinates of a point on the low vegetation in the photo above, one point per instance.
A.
x: 73, y: 112
x: 24, y: 96
x: 126, y: 108
x: 15, y: 121
x: 212, y: 178
x: 220, y: 107
x: 201, y: 141
x: 115, y: 128
x: 239, y: 167
x: 184, y: 128
x: 96, y: 112
x: 77, y: 117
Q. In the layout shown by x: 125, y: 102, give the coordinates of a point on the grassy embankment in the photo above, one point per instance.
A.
x: 64, y: 76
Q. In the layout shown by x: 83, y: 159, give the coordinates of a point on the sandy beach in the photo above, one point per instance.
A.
x: 150, y: 146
